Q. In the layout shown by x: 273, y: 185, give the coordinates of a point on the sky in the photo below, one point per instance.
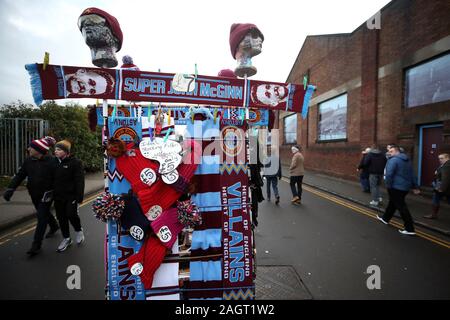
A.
x: 171, y: 35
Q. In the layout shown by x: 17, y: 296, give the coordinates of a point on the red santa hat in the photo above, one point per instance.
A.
x: 238, y: 32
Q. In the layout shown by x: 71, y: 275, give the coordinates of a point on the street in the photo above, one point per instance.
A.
x: 328, y: 241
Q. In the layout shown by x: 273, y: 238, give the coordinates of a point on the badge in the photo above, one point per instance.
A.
x: 136, y: 269
x: 137, y: 233
x: 164, y: 234
x: 154, y: 213
x: 148, y: 176
x: 171, y: 177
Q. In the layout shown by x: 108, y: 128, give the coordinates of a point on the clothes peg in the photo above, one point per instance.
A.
x: 215, y: 114
x: 168, y: 119
x: 167, y: 134
x: 46, y: 60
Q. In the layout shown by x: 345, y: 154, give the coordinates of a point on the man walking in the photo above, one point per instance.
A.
x: 399, y: 180
x: 441, y: 185
x: 40, y: 171
x: 375, y: 163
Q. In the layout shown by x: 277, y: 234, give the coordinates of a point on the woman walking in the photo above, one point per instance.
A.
x: 297, y: 172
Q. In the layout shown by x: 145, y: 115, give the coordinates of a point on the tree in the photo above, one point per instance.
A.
x: 66, y: 122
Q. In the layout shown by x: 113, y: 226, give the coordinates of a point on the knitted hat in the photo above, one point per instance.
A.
x: 64, y: 145
x: 128, y: 63
x: 167, y: 227
x: 110, y: 20
x: 133, y: 219
x: 227, y: 73
x: 42, y: 145
x: 158, y: 195
x: 238, y: 32
x: 137, y: 169
x: 147, y: 260
x: 188, y: 166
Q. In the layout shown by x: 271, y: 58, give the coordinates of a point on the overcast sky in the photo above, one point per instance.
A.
x: 170, y: 35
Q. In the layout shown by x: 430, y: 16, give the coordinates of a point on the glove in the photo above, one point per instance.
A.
x: 8, y: 194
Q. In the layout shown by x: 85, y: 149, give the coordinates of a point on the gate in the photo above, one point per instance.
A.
x: 15, y: 135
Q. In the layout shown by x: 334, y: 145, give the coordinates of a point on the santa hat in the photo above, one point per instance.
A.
x: 133, y: 219
x: 147, y: 260
x: 110, y: 20
x: 42, y: 145
x: 159, y: 195
x: 128, y: 63
x: 227, y: 73
x: 136, y: 168
x: 238, y: 32
x: 64, y: 145
x: 167, y: 227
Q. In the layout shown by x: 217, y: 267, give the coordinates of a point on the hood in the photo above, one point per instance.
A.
x: 402, y: 156
x: 375, y: 151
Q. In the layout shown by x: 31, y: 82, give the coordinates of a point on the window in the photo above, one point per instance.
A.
x: 428, y: 82
x: 290, y: 129
x: 333, y: 119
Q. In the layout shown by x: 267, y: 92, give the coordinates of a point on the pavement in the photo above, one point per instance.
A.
x: 20, y: 209
x: 419, y: 205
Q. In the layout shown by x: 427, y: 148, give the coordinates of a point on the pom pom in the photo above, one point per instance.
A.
x: 50, y: 141
x: 108, y: 206
x: 188, y: 213
x: 127, y: 59
x: 115, y: 148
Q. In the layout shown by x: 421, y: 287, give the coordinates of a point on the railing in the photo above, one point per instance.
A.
x: 15, y: 136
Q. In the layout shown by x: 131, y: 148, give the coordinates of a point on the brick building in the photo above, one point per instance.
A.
x: 376, y: 85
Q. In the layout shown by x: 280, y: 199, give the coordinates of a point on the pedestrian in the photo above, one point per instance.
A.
x: 256, y: 184
x: 399, y: 181
x: 69, y: 193
x: 272, y: 172
x: 375, y: 163
x: 364, y: 172
x: 297, y: 171
x: 441, y: 185
x: 39, y: 170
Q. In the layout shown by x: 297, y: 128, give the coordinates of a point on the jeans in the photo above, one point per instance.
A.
x: 375, y: 182
x: 397, y: 202
x: 274, y: 182
x: 437, y: 197
x: 296, y: 180
x: 67, y: 210
x: 364, y: 180
x: 44, y: 217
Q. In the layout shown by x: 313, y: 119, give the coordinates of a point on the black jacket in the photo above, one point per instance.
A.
x: 443, y: 176
x: 69, y: 179
x: 364, y: 170
x: 40, y: 173
x: 375, y: 162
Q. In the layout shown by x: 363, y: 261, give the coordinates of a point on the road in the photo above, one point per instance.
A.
x: 329, y: 242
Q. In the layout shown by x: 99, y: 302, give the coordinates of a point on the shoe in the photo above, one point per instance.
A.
x: 277, y: 201
x: 299, y: 201
x: 64, y: 244
x: 268, y: 199
x: 35, y: 249
x: 80, y: 237
x: 409, y: 233
x: 373, y: 203
x: 382, y: 220
x: 295, y: 199
x: 430, y: 216
x: 51, y: 233
x: 380, y: 200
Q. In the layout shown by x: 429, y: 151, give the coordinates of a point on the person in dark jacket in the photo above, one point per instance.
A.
x: 375, y: 163
x: 441, y: 185
x: 399, y: 181
x: 364, y: 172
x: 272, y: 172
x: 69, y: 193
x: 40, y: 170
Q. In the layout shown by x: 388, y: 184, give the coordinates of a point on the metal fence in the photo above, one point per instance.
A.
x: 15, y: 135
